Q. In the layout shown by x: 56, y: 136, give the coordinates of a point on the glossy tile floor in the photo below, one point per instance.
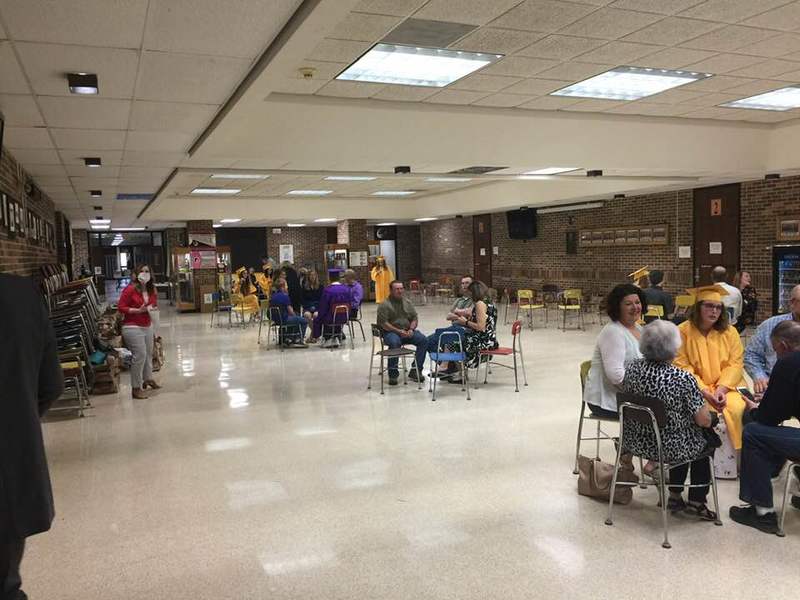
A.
x: 259, y: 474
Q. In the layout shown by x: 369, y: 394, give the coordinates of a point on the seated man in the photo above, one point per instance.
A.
x: 349, y: 277
x: 280, y: 300
x: 333, y: 295
x: 759, y: 357
x: 398, y: 319
x: 656, y: 296
x: 461, y: 309
x: 766, y: 445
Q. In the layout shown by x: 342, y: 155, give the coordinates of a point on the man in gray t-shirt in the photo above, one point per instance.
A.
x: 462, y: 307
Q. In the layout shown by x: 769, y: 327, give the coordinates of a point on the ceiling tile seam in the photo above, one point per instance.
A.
x: 599, y: 8
x: 509, y: 27
x: 658, y: 48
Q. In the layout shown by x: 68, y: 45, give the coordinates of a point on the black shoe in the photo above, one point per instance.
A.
x: 392, y: 380
x: 796, y: 502
x: 746, y: 515
x: 412, y: 375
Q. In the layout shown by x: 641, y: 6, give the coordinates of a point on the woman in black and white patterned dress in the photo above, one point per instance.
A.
x: 682, y: 438
x: 480, y: 331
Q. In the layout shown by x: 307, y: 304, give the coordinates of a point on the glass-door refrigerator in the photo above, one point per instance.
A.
x: 785, y: 275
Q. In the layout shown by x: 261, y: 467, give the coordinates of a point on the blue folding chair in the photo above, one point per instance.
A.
x: 443, y: 355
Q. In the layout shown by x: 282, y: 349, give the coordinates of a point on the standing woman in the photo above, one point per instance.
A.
x: 382, y: 276
x: 744, y: 282
x: 136, y: 303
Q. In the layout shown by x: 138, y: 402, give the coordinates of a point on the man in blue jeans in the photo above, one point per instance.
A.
x: 766, y: 446
x: 398, y: 319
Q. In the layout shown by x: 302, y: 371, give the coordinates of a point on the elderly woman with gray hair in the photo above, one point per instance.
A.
x: 682, y: 438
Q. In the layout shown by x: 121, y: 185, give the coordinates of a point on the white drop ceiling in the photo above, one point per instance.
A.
x: 166, y: 68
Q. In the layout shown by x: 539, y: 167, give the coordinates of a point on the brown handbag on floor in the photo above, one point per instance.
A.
x: 594, y: 478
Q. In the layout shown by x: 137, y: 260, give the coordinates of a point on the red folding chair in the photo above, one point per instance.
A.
x: 516, y: 348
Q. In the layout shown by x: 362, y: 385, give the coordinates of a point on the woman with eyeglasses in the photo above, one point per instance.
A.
x: 712, y: 351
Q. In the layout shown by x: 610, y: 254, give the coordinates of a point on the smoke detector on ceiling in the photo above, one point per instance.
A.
x: 307, y: 72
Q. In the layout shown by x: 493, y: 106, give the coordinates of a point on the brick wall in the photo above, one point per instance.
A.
x: 63, y: 241
x: 80, y: 251
x: 309, y: 245
x: 407, y: 250
x: 173, y: 237
x: 446, y: 247
x: 21, y: 255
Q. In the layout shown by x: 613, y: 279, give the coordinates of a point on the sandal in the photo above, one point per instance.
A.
x: 701, y: 511
x: 150, y: 384
x: 674, y: 504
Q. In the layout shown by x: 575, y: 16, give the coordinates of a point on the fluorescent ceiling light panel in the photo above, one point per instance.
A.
x: 238, y: 176
x: 350, y: 178
x: 216, y: 225
x: 99, y: 221
x: 309, y: 192
x: 783, y: 99
x: 82, y: 83
x: 386, y: 224
x: 295, y: 224
x: 129, y: 229
x: 393, y: 193
x: 569, y: 207
x: 422, y: 219
x: 229, y: 220
x: 551, y: 171
x: 324, y: 220
x: 411, y: 65
x: 220, y: 191
x: 534, y: 177
x: 100, y: 226
x: 449, y: 179
x: 630, y: 83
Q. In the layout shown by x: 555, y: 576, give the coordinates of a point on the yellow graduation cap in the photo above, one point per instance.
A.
x: 712, y: 293
x: 240, y: 270
x: 639, y: 274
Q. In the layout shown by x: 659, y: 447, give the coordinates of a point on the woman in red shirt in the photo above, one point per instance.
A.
x: 136, y: 303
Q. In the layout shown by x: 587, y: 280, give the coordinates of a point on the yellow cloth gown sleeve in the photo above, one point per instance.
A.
x: 683, y: 360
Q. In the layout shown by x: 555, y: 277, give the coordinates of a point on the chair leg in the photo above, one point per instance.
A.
x: 786, y: 487
x: 612, y: 491
x: 419, y: 374
x: 597, y: 441
x: 485, y: 371
x: 363, y: 337
x: 578, y: 443
x: 714, y: 491
x: 516, y: 376
x: 432, y: 385
x: 522, y: 361
x: 663, y: 493
x: 371, y: 365
x: 383, y: 370
x: 405, y: 373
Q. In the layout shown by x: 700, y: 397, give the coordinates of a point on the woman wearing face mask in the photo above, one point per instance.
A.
x: 136, y: 303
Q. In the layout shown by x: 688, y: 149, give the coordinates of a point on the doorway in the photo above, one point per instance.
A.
x: 482, y: 248
x: 716, y: 231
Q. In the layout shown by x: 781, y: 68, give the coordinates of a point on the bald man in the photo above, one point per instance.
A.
x: 759, y: 357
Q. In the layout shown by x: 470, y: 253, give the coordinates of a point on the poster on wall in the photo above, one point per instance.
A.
x: 204, y: 259
x: 286, y: 253
x: 208, y: 239
x: 359, y: 259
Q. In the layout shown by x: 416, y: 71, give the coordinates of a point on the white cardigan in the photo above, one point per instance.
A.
x: 616, y: 346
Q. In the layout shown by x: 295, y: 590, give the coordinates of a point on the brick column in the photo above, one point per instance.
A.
x: 203, y: 231
x: 353, y: 232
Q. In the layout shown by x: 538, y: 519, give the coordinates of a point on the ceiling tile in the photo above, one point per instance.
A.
x: 400, y: 8
x: 724, y: 63
x: 778, y: 46
x: 26, y: 138
x: 717, y: 98
x: 298, y: 85
x: 54, y: 180
x: 240, y: 28
x: 618, y: 53
x: 537, y: 87
x: 12, y: 80
x: 677, y: 96
x: 46, y: 64
x: 79, y: 139
x: 793, y: 76
x: 503, y: 100
x: 560, y: 47
x: 785, y: 18
x: 144, y: 172
x: 756, y: 87
x: 610, y: 24
x: 672, y: 31
x: 656, y: 110
x: 575, y: 71
x: 350, y: 89
x: 36, y: 157
x: 145, y: 158
x: 363, y: 27
x: 338, y: 51
x: 542, y: 15
x: 519, y: 66
x: 484, y: 83
x: 114, y: 23
x: 189, y: 78
x: 769, y: 68
x: 674, y: 58
x: 662, y: 7
x: 46, y: 170
x: 496, y: 41
x: 456, y: 97
x: 75, y: 157
x: 159, y: 141
x: 20, y: 111
x: 593, y: 105
x: 427, y: 33
x: 171, y: 116
x: 730, y: 11
x: 706, y: 113
x: 104, y: 171
x: 549, y: 103
x: 717, y: 83
x: 405, y: 93
x: 81, y: 112
x: 729, y: 38
x: 465, y: 11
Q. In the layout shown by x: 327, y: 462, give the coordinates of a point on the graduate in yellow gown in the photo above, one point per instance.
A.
x: 243, y: 286
x: 712, y: 351
x: 382, y: 276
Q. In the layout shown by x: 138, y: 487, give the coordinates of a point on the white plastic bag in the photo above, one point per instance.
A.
x: 725, y: 455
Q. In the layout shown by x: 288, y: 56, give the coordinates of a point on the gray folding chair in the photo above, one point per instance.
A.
x: 791, y: 474
x: 385, y: 354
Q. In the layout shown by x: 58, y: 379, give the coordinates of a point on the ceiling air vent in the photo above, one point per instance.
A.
x: 432, y: 34
x: 478, y: 170
x: 134, y: 196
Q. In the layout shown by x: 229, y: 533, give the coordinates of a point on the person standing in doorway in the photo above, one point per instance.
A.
x: 31, y: 379
x: 382, y: 276
x: 136, y: 303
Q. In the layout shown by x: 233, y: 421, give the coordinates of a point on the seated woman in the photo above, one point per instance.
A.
x: 712, y: 352
x: 682, y: 438
x: 617, y: 345
x: 242, y: 285
x: 280, y: 301
x: 478, y: 331
x: 312, y: 292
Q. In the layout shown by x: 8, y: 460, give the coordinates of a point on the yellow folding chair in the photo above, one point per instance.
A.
x: 526, y: 302
x: 572, y: 303
x: 682, y: 304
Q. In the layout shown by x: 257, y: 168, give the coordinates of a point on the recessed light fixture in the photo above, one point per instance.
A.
x: 309, y: 192
x: 783, y: 99
x: 220, y: 191
x: 229, y: 220
x: 393, y: 193
x: 551, y: 171
x: 95, y: 193
x: 411, y: 65
x: 82, y: 83
x: 130, y: 229
x: 99, y: 221
x: 386, y: 224
x: 325, y: 220
x: 449, y: 179
x: 423, y: 219
x: 216, y: 225
x: 295, y: 224
x: 238, y: 176
x: 101, y: 226
x: 93, y: 161
x: 97, y: 208
x: 350, y: 178
x: 630, y: 83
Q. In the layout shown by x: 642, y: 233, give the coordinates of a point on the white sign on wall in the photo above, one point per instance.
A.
x: 358, y: 259
x: 286, y: 253
x: 715, y: 247
x: 684, y: 252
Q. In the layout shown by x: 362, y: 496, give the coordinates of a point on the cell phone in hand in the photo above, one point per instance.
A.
x: 745, y: 392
